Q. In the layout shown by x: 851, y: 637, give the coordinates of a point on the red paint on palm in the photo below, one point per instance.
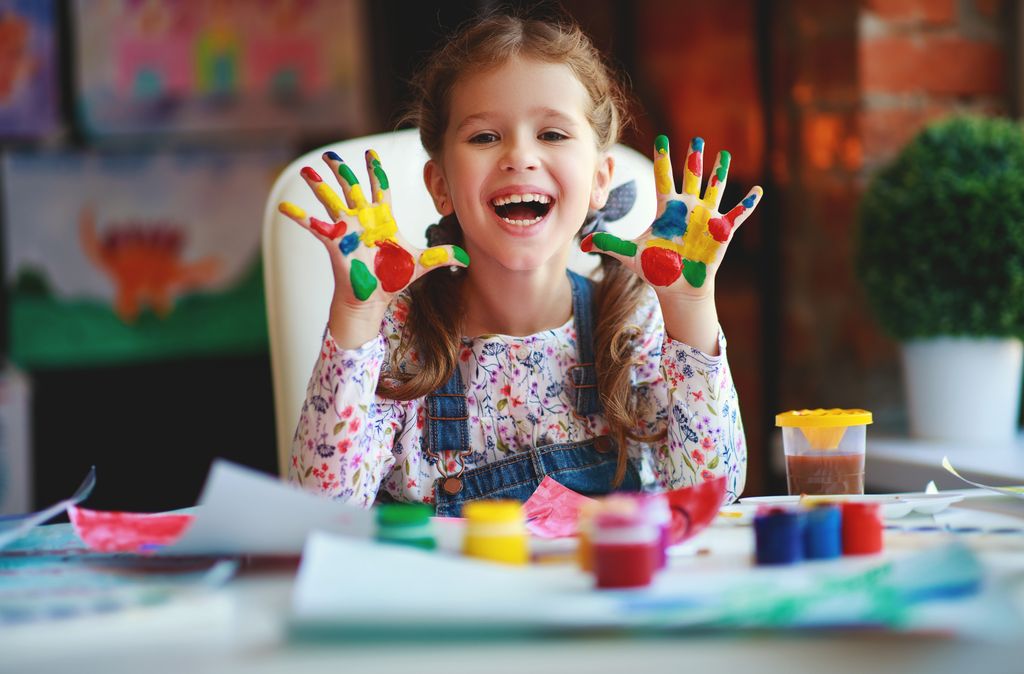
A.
x: 332, y: 230
x: 720, y: 229
x: 694, y: 508
x: 661, y: 266
x: 393, y: 265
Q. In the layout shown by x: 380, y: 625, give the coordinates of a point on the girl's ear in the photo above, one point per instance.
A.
x: 433, y: 178
x: 602, y: 182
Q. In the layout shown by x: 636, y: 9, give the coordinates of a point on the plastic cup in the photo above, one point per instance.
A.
x: 824, y: 450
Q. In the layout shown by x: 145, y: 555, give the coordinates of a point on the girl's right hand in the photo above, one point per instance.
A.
x: 370, y: 259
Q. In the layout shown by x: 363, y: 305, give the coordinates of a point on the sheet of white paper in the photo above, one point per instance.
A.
x: 242, y: 511
x: 1017, y: 492
x: 350, y: 588
x: 13, y: 527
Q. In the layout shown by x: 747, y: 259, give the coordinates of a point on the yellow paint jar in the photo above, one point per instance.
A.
x: 824, y: 450
x: 495, y: 531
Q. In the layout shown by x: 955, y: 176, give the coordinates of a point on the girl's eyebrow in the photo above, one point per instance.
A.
x: 544, y: 113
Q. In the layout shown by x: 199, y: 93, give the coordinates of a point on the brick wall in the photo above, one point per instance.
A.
x: 854, y: 81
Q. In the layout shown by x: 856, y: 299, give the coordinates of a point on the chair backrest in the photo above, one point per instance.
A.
x: 297, y: 273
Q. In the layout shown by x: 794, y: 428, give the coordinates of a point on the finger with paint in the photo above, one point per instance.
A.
x: 716, y: 183
x: 664, y: 182
x: 380, y: 186
x: 694, y: 167
x: 330, y: 201
x: 350, y: 186
x: 721, y: 228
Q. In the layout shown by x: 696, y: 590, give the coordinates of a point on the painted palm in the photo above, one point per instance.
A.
x: 681, y: 251
x: 368, y: 254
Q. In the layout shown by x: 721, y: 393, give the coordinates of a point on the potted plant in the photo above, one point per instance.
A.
x: 940, y: 252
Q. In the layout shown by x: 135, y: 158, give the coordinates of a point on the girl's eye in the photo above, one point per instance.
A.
x: 552, y: 136
x: 483, y: 138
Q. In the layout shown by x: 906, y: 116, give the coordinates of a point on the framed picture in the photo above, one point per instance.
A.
x: 29, y: 103
x: 115, y: 257
x: 164, y: 66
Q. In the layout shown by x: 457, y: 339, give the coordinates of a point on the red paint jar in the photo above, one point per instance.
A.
x: 862, y: 528
x: 624, y: 545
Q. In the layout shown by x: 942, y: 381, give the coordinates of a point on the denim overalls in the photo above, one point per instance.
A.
x: 586, y: 466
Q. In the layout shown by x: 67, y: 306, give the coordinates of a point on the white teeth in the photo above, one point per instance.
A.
x: 520, y: 198
x: 522, y: 223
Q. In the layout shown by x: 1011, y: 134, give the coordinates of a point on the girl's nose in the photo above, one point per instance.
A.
x: 518, y: 155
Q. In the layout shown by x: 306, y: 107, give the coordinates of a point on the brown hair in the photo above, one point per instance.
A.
x: 436, y: 298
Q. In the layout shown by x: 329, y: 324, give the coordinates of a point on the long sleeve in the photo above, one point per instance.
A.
x: 692, y: 398
x: 341, y: 444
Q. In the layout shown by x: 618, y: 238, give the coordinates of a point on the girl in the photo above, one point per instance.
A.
x: 442, y: 381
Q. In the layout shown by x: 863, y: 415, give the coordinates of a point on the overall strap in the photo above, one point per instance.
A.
x: 584, y: 374
x: 447, y: 418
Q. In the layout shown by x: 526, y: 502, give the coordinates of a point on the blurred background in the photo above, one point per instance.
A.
x: 140, y: 138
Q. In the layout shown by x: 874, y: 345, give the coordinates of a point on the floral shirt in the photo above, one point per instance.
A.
x: 351, y: 443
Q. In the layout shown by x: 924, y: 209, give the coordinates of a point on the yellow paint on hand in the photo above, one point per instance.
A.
x: 434, y: 257
x: 711, y: 195
x: 691, y: 182
x: 330, y: 200
x: 663, y: 174
x: 374, y: 155
x: 698, y: 244
x: 378, y: 224
x: 658, y: 242
x: 291, y: 210
x: 355, y: 193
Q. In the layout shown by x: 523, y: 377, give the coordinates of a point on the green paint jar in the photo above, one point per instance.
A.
x: 406, y: 524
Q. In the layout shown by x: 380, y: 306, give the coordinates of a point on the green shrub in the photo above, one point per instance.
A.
x: 940, y: 245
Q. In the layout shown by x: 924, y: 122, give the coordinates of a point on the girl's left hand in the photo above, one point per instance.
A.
x: 680, y: 253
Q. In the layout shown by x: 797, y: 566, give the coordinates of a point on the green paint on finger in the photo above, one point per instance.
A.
x: 613, y: 244
x: 661, y: 144
x: 363, y: 282
x: 694, y: 272
x: 460, y: 255
x: 723, y: 168
x: 345, y: 172
x: 382, y: 177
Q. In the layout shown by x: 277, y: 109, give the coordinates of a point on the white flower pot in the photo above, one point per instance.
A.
x: 964, y: 389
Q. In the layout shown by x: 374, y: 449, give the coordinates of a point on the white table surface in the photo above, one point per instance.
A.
x: 242, y: 628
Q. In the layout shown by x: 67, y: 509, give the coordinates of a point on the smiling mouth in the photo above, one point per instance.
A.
x: 522, y: 209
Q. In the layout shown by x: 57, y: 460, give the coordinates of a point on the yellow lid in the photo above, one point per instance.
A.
x: 823, y: 418
x: 498, y: 511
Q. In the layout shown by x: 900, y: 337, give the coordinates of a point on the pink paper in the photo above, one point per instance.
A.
x: 107, y: 531
x: 553, y: 511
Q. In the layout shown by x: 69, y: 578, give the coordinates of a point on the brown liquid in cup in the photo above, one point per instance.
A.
x: 827, y: 473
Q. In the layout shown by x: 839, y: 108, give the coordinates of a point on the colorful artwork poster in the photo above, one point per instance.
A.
x: 28, y: 71
x: 114, y: 257
x: 153, y: 66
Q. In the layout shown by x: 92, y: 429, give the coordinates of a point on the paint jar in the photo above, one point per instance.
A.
x: 778, y: 536
x: 585, y: 528
x: 406, y: 524
x: 496, y: 531
x: 660, y: 515
x: 625, y: 544
x: 824, y: 450
x: 862, y: 528
x: 823, y: 535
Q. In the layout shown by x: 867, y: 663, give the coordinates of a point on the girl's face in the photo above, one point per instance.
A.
x: 519, y: 164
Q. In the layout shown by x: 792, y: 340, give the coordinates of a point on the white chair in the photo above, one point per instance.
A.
x: 297, y: 273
